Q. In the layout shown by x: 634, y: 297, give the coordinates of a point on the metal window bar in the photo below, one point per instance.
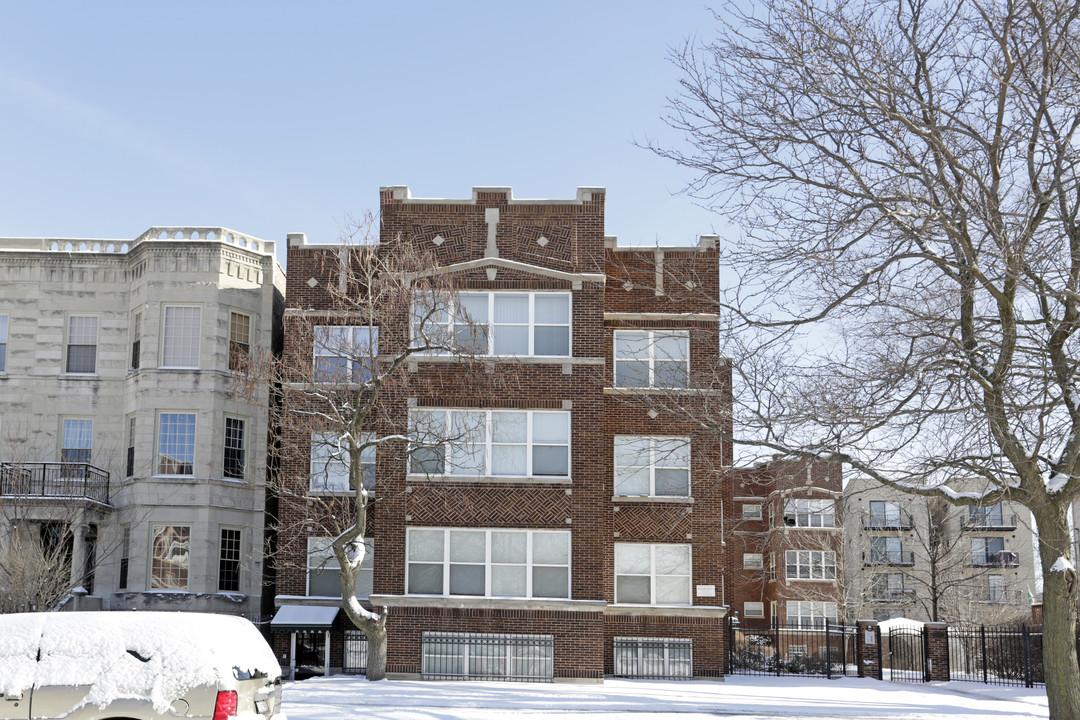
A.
x: 770, y: 649
x: 483, y: 656
x: 656, y: 658
x: 356, y: 653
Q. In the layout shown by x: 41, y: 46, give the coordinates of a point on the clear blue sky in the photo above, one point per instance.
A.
x: 277, y: 117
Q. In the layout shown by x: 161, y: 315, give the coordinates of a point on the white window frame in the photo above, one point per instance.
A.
x: 810, y: 614
x: 183, y: 344
x: 158, y: 440
x: 234, y: 361
x: 650, y: 338
x: 447, y: 562
x: 440, y: 327
x: 92, y: 339
x: 135, y: 361
x: 661, y: 454
x: 356, y: 345
x: 83, y: 430
x: 329, y: 468
x: 754, y: 609
x: 751, y: 511
x: 427, y: 429
x: 810, y: 513
x: 653, y: 575
x: 320, y: 559
x: 5, y: 321
x: 156, y: 531
x: 243, y: 447
x: 812, y: 565
x: 753, y: 561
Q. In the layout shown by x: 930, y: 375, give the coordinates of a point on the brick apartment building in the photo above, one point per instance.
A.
x: 586, y: 539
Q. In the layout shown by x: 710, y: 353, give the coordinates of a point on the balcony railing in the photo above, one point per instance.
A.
x: 886, y: 521
x: 73, y: 480
x: 990, y: 522
x: 1003, y: 558
x: 886, y: 557
x: 1002, y: 596
x: 892, y: 595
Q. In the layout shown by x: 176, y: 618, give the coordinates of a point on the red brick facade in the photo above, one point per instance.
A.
x: 494, y: 242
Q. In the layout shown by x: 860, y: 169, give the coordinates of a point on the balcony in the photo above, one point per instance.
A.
x: 1002, y: 596
x: 66, y: 480
x: 990, y: 522
x: 1000, y: 559
x: 894, y: 596
x: 878, y: 558
x: 887, y: 521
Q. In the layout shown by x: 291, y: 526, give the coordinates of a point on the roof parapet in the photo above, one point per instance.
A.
x: 401, y: 193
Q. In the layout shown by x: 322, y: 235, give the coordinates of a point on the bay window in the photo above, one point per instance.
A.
x: 810, y: 564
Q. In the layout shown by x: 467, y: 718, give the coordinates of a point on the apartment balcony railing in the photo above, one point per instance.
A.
x: 1002, y: 596
x: 896, y: 559
x: 892, y: 595
x: 887, y: 521
x: 990, y: 522
x: 72, y: 480
x: 996, y: 559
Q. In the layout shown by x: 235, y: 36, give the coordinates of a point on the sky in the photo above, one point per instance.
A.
x: 277, y: 117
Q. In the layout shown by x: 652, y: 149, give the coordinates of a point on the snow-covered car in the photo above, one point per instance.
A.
x: 136, y: 665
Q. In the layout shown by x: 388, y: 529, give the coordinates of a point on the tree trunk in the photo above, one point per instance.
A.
x: 376, y: 663
x: 1060, y: 668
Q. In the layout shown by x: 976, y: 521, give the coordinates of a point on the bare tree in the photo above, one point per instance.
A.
x: 906, y: 177
x: 343, y: 407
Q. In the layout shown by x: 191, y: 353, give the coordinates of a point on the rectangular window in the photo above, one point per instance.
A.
x: 752, y: 561
x: 885, y: 515
x: 989, y: 552
x: 810, y: 564
x: 809, y: 513
x: 652, y: 358
x: 78, y: 441
x: 656, y: 574
x: 131, y: 447
x: 82, y: 344
x: 510, y: 443
x: 324, y: 571
x: 233, y: 466
x: 657, y: 466
x: 650, y: 657
x: 888, y: 587
x: 180, y: 342
x: 176, y: 444
x: 229, y: 561
x: 345, y: 353
x: 125, y: 559
x: 3, y: 342
x: 754, y: 609
x: 239, y: 340
x: 136, y: 339
x: 995, y: 588
x: 170, y: 558
x: 990, y: 516
x: 487, y: 656
x: 751, y: 512
x: 330, y: 464
x: 810, y: 615
x: 496, y: 323
x: 772, y: 566
x: 488, y: 563
x: 887, y: 551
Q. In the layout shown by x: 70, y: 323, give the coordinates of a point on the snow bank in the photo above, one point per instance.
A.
x: 899, y: 624
x: 152, y: 655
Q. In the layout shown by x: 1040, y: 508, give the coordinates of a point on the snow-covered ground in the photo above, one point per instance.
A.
x: 345, y: 697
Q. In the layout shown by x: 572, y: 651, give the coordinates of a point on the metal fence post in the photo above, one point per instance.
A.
x: 776, y: 644
x: 828, y: 652
x: 986, y: 677
x: 1027, y: 657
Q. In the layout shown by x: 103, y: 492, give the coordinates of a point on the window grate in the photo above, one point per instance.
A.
x: 482, y: 656
x: 657, y: 658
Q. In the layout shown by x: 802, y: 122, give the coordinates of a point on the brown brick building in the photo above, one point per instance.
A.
x: 581, y: 531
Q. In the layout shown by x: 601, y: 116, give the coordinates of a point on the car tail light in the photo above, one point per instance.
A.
x: 225, y: 707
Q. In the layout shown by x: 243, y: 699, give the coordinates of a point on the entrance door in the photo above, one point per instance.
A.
x: 309, y: 654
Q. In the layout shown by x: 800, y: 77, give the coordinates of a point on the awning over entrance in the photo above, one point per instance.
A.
x: 303, y: 618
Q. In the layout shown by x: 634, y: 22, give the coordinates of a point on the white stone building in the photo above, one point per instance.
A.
x: 123, y: 430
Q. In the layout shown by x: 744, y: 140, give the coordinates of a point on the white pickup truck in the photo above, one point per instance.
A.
x: 136, y: 666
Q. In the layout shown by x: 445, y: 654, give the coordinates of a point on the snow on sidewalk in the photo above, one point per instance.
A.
x: 344, y: 697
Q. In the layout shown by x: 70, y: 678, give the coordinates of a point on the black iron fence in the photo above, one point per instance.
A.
x: 482, y: 656
x: 60, y: 479
x: 658, y: 658
x: 771, y: 649
x: 996, y: 655
x: 905, y: 658
x: 355, y: 659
